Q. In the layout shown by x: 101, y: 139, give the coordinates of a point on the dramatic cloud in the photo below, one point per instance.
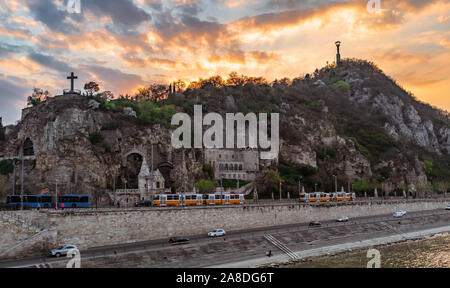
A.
x: 12, y: 97
x: 125, y: 44
x: 123, y: 13
x: 50, y: 62
x: 114, y: 79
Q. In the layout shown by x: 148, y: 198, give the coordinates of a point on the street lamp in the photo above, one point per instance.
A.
x: 21, y: 184
x: 299, y: 185
x: 221, y: 189
x: 335, y: 183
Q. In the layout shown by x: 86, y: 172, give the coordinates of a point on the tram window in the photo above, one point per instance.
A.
x: 46, y: 199
x: 30, y: 199
x: 13, y: 199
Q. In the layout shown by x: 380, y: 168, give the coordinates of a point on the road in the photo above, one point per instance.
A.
x: 241, y: 245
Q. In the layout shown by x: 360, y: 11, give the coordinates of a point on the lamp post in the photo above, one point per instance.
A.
x: 14, y: 177
x: 114, y: 184
x: 21, y: 184
x: 335, y: 183
x: 315, y: 187
x: 299, y: 185
x: 280, y: 191
x: 221, y: 189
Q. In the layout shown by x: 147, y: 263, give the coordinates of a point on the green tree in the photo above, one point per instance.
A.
x: 269, y: 182
x: 209, y: 170
x: 428, y: 168
x: 91, y: 88
x: 179, y: 85
x: 38, y: 96
x: 235, y: 80
x: 6, y: 167
x: 361, y: 186
x: 205, y: 186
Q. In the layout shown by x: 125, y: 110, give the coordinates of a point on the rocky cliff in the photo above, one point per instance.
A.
x: 351, y: 121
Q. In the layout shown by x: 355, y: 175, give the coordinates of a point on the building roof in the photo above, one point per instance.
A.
x: 145, y: 171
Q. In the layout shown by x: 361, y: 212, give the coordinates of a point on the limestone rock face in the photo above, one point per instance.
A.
x: 94, y: 104
x: 129, y: 112
x: 317, y: 136
x: 298, y: 154
x: 444, y: 136
x: 60, y: 130
x: 405, y: 120
x: 230, y: 104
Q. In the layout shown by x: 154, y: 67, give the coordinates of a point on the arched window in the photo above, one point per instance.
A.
x: 28, y: 149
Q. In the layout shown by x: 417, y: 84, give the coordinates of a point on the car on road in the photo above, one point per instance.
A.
x: 342, y: 219
x: 174, y: 240
x: 217, y: 233
x: 144, y: 203
x: 64, y: 251
x: 314, y: 223
x: 399, y: 213
x: 448, y: 207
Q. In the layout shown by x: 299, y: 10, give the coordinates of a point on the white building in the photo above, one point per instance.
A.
x: 242, y: 164
x: 150, y: 182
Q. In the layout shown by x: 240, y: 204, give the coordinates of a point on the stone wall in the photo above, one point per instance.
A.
x: 89, y: 228
x: 25, y: 233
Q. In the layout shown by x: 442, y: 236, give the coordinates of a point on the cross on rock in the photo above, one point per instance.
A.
x: 72, y: 77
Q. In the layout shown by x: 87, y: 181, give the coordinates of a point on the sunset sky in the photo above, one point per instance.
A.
x: 127, y: 44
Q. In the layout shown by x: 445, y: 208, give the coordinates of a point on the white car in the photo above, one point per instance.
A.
x: 399, y: 213
x: 448, y: 207
x: 217, y: 233
x: 65, y: 250
x: 342, y: 219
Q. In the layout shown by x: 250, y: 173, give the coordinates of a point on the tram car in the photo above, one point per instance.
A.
x: 223, y: 199
x: 323, y: 197
x: 341, y: 196
x: 194, y: 199
x: 310, y: 197
x: 351, y: 196
x: 326, y: 197
x: 304, y: 197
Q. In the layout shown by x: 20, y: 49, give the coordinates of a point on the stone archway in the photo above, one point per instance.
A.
x: 165, y: 168
x: 130, y: 171
x: 131, y: 166
x: 28, y: 147
x: 132, y: 151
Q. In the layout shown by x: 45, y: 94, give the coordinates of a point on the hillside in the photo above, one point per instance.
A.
x: 352, y: 121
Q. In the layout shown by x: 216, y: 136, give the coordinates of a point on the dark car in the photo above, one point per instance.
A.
x: 145, y: 203
x: 314, y: 223
x: 175, y: 240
